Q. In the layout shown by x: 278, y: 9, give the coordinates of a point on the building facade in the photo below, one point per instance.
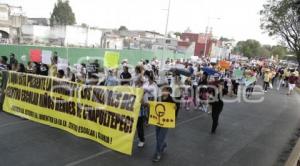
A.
x: 61, y: 35
x: 198, y: 41
x: 11, y: 20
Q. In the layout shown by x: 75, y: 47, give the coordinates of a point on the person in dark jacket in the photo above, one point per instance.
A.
x: 21, y: 68
x: 125, y: 76
x: 217, y: 106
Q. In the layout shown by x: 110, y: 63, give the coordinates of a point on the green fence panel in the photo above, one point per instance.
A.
x: 81, y: 55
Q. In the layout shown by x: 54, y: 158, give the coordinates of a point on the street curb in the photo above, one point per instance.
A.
x: 294, y: 156
x: 298, y: 89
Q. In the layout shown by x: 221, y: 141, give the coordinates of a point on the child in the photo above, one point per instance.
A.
x: 161, y: 133
x: 249, y: 89
x: 187, y: 95
x: 203, y: 96
x: 229, y: 86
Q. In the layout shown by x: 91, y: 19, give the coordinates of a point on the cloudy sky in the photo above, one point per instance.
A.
x: 239, y: 19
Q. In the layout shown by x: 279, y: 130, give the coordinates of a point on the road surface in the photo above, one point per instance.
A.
x: 249, y: 135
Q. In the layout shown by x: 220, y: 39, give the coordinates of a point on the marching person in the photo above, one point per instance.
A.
x: 280, y: 78
x: 21, y: 68
x: 53, y: 71
x: 125, y: 76
x: 111, y: 79
x: 187, y: 94
x: 142, y: 116
x: 138, y: 74
x: 3, y: 63
x: 150, y: 94
x: 161, y: 133
x: 217, y: 104
x: 70, y: 76
x: 177, y: 91
x: 60, y: 74
x: 292, y: 83
x: 266, y: 80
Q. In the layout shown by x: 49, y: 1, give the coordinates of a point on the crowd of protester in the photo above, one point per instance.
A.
x: 189, y: 86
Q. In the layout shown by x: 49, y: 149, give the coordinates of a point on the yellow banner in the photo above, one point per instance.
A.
x: 111, y: 59
x: 107, y: 115
x: 162, y: 114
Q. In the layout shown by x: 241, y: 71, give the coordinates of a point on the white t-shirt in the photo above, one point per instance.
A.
x: 148, y: 67
x: 150, y: 91
x: 176, y: 90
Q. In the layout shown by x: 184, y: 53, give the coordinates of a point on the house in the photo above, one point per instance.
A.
x: 198, y: 40
x: 222, y: 49
x: 169, y: 43
x: 11, y: 20
x: 134, y: 39
x: 112, y: 39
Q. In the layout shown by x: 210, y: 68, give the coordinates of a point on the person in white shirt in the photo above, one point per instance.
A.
x: 150, y: 89
x: 177, y: 88
x: 111, y: 79
x: 150, y: 94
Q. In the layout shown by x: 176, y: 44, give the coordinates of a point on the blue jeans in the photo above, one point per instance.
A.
x: 161, y: 134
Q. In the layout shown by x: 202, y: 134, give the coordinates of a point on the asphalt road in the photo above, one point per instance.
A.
x: 249, y: 135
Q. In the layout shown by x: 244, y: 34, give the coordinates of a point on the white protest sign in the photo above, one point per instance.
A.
x: 213, y: 60
x: 62, y: 64
x: 46, y: 57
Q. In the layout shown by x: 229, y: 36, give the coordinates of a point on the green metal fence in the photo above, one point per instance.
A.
x: 79, y: 55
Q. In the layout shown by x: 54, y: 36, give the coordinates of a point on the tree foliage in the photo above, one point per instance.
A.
x: 224, y: 39
x: 123, y: 28
x: 177, y: 34
x: 252, y: 48
x: 84, y: 25
x: 281, y: 18
x: 248, y: 48
x: 279, y: 51
x: 62, y: 14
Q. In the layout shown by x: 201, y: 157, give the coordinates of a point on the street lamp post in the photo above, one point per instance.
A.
x: 168, y: 15
x: 166, y: 33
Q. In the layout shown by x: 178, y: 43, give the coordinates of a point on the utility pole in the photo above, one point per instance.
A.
x: 166, y: 34
x: 168, y: 15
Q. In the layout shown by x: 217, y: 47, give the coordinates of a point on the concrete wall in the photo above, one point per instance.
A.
x: 94, y: 38
x: 61, y: 35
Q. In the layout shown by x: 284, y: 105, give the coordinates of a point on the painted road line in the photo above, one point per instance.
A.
x: 107, y: 151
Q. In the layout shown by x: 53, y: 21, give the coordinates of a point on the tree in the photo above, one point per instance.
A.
x: 84, y: 25
x: 281, y: 18
x: 249, y: 48
x: 264, y: 51
x: 177, y: 34
x: 62, y: 14
x: 123, y: 28
x: 224, y: 39
x: 279, y: 51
